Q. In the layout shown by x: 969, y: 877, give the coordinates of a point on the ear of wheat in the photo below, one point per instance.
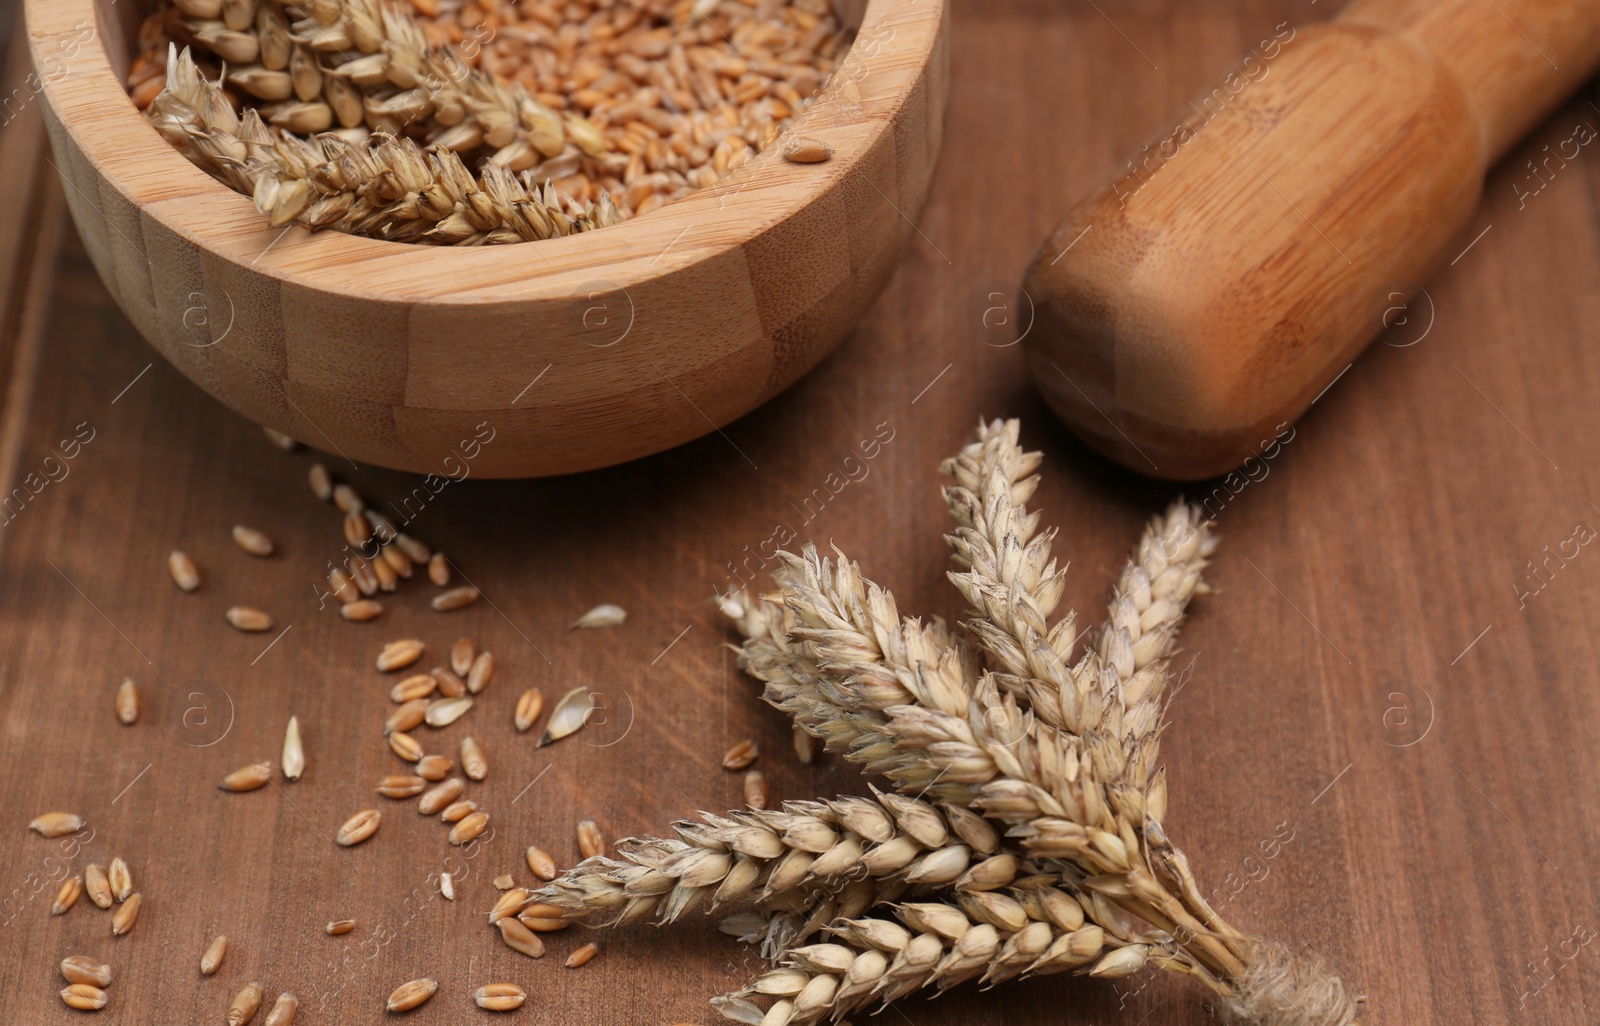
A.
x: 1050, y: 750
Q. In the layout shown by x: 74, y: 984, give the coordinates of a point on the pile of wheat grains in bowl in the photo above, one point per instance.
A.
x: 486, y: 121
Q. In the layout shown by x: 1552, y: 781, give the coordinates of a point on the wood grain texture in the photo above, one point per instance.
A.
x: 1365, y: 600
x: 653, y: 333
x: 1206, y: 294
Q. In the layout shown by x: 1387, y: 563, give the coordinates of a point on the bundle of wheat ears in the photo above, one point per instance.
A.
x: 1023, y: 831
x: 347, y: 114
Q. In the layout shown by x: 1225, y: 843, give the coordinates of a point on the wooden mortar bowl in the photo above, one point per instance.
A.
x: 570, y: 353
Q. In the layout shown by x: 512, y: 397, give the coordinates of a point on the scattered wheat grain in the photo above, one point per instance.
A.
x: 83, y: 969
x: 604, y: 615
x: 741, y: 755
x: 590, y: 841
x: 473, y: 762
x: 804, y: 150
x: 480, y: 672
x: 128, y: 701
x: 499, y: 997
x: 251, y: 540
x: 401, y: 786
x: 67, y: 895
x: 85, y: 997
x: 348, y: 499
x: 321, y: 482
x: 120, y: 878
x: 582, y: 955
x: 358, y: 827
x: 397, y: 655
x: 184, y: 573
x: 123, y: 918
x: 755, y: 790
x: 361, y: 611
x: 434, y: 767
x: 455, y: 598
x: 461, y: 655
x: 543, y: 866
x: 249, y: 620
x: 97, y: 886
x: 409, y: 995
x: 468, y: 828
x: 341, y: 926
x: 438, y: 797
x: 418, y: 685
x: 529, y: 706
x: 283, y: 1010
x: 244, y: 1005
x: 405, y: 746
x: 247, y: 778
x: 519, y: 938
x: 211, y: 961
x: 55, y: 824
x: 439, y: 569
x: 458, y: 811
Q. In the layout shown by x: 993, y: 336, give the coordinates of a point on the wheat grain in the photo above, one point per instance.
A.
x: 397, y: 655
x: 278, y: 438
x: 447, y: 886
x: 83, y: 969
x: 321, y: 482
x: 418, y: 685
x: 445, y: 711
x: 401, y: 786
x: 756, y: 795
x: 582, y: 956
x: 211, y: 960
x: 590, y: 841
x: 120, y: 878
x: 123, y: 918
x: 247, y: 778
x: 434, y: 767
x: 283, y: 1010
x: 439, y: 569
x: 569, y: 715
x: 294, y: 753
x: 741, y: 755
x: 405, y: 716
x: 804, y: 150
x: 97, y: 886
x: 67, y: 895
x: 85, y: 997
x: 184, y: 573
x: 450, y: 686
x: 461, y: 655
x: 347, y: 499
x: 805, y: 744
x: 473, y: 762
x: 405, y: 746
x: 343, y: 588
x: 250, y: 620
x: 358, y: 828
x: 388, y: 580
x: 529, y: 705
x: 417, y: 552
x: 469, y: 827
x: 499, y: 997
x: 243, y: 1007
x: 251, y: 540
x: 409, y: 995
x: 605, y: 615
x: 361, y: 611
x: 542, y: 865
x: 455, y: 812
x: 455, y: 598
x: 56, y: 824
x: 394, y: 556
x: 438, y: 797
x: 508, y: 904
x: 519, y: 938
x: 504, y: 882
x: 480, y: 672
x: 340, y: 926
x: 128, y: 701
x: 357, y: 530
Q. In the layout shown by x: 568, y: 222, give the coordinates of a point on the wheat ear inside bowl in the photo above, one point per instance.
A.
x: 575, y: 352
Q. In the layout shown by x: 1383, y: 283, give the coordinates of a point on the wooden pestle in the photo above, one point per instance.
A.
x: 1202, y: 300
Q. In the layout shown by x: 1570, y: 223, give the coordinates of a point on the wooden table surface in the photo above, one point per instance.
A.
x: 1382, y: 677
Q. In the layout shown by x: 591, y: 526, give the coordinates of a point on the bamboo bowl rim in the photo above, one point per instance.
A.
x: 895, y: 42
